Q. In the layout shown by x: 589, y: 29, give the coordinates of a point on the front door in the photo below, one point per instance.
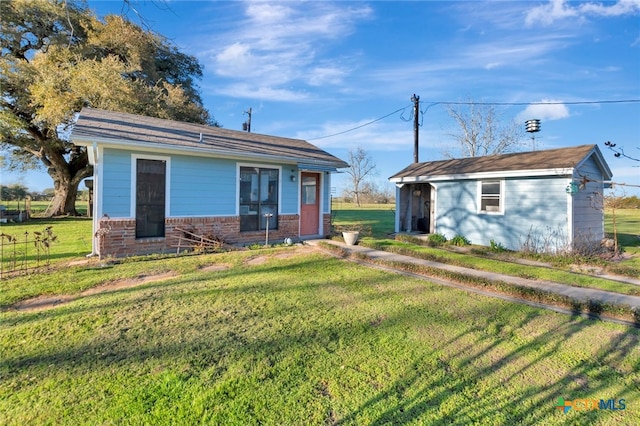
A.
x: 310, y: 204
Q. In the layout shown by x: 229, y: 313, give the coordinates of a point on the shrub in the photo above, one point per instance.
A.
x: 437, y: 239
x: 497, y: 247
x: 460, y: 240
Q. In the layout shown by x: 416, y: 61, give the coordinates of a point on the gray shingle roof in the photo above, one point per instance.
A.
x: 129, y: 130
x: 552, y: 159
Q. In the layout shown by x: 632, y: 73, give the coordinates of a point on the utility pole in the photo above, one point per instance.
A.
x: 416, y: 110
x: 246, y: 126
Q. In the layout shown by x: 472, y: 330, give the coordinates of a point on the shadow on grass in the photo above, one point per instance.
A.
x: 269, y: 313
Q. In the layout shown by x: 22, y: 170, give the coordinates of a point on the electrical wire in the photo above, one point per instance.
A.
x: 423, y: 112
x: 360, y: 126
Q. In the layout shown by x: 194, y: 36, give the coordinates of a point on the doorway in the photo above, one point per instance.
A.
x: 310, y: 204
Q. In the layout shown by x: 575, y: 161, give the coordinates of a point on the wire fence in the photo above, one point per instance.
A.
x: 25, y: 253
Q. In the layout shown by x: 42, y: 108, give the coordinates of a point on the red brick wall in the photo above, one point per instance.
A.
x: 326, y: 224
x: 117, y: 237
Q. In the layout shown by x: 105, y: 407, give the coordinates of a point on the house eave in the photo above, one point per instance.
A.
x: 484, y: 175
x: 205, y: 152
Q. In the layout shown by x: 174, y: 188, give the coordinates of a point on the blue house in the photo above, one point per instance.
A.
x: 155, y: 178
x: 547, y: 200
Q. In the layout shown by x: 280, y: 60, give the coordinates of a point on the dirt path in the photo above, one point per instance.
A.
x: 45, y: 302
x: 41, y: 303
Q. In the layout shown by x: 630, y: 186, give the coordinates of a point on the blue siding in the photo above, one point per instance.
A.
x: 290, y: 190
x: 116, y: 183
x: 588, y: 212
x: 203, y: 186
x: 199, y: 186
x: 531, y: 205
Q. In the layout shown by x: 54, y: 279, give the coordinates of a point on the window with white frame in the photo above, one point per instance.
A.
x: 491, y: 196
x: 258, y: 198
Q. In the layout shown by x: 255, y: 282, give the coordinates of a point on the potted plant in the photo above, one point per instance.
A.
x: 350, y: 233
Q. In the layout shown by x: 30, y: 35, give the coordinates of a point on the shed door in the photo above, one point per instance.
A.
x: 310, y: 204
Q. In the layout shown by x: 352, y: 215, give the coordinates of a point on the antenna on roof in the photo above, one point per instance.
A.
x: 532, y: 126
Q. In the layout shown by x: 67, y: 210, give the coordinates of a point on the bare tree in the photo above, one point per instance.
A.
x: 360, y: 166
x: 619, y: 151
x: 480, y: 132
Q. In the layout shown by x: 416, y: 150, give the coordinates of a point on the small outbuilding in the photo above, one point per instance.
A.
x: 153, y: 179
x: 548, y: 200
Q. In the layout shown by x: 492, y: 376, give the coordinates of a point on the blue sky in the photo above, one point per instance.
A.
x: 312, y: 69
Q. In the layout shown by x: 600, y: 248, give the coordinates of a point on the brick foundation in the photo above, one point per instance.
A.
x: 117, y: 237
x: 326, y: 225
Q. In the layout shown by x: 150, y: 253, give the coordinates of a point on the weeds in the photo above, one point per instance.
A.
x: 459, y: 240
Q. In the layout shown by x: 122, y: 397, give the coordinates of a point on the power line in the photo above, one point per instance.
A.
x: 360, y: 126
x: 620, y: 101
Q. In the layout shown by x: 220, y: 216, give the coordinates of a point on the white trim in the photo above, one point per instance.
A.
x: 434, y: 209
x: 321, y: 203
x: 501, y: 198
x: 167, y: 182
x: 484, y: 175
x: 94, y: 158
x: 570, y: 216
x: 205, y: 151
x: 260, y: 166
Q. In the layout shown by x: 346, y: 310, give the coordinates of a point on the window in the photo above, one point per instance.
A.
x: 150, y: 197
x: 491, y: 196
x: 258, y: 198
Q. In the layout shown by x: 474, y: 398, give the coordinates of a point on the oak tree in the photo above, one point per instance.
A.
x: 56, y: 56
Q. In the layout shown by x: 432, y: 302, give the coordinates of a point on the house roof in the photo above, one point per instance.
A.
x: 561, y: 161
x: 129, y: 131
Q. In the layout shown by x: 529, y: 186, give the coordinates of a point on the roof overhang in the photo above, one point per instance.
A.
x: 567, y: 172
x: 600, y: 161
x: 301, y: 162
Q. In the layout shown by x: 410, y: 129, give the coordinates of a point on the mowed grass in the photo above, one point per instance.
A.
x: 73, y: 237
x: 278, y: 338
x: 379, y: 218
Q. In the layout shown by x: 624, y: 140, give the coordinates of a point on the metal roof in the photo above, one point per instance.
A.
x: 140, y: 132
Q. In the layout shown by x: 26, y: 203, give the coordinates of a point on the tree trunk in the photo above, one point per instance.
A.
x: 66, y: 179
x: 64, y: 199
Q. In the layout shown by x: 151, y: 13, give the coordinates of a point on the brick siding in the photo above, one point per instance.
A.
x: 117, y: 237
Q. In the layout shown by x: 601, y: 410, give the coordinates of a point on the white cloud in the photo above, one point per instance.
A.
x: 557, y: 10
x: 280, y: 45
x: 548, y: 109
x: 325, y: 75
x: 249, y: 91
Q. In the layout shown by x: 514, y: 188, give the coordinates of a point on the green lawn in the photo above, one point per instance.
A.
x: 380, y: 218
x: 283, y: 339
x: 277, y: 337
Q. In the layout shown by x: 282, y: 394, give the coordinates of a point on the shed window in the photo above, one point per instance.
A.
x: 491, y: 196
x: 258, y: 198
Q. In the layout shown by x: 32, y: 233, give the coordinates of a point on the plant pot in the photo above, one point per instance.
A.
x: 350, y: 238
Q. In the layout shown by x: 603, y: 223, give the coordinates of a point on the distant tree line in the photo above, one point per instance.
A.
x: 19, y: 192
x: 632, y: 202
x: 370, y: 193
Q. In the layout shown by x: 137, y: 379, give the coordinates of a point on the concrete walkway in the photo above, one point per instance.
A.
x: 578, y: 293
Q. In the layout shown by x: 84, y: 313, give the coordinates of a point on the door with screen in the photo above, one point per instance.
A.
x: 310, y: 204
x: 150, y: 197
